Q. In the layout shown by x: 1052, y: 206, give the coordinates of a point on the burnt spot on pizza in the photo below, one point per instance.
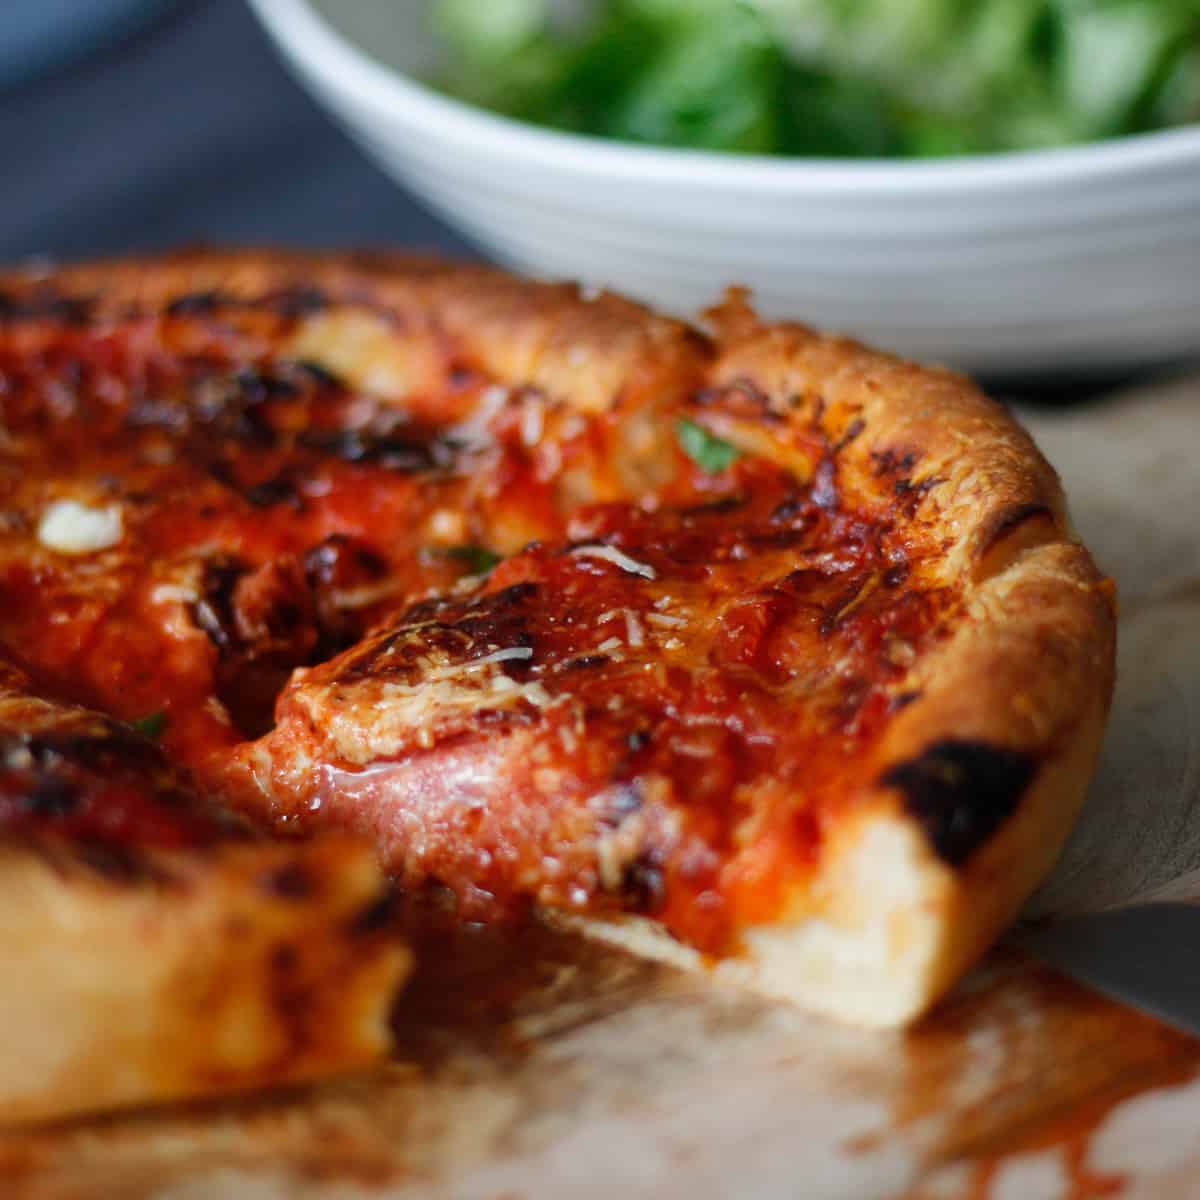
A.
x: 436, y: 631
x: 587, y: 662
x: 270, y: 493
x: 198, y: 304
x: 113, y: 743
x: 284, y: 959
x: 643, y: 883
x: 105, y: 785
x: 119, y: 864
x: 379, y: 913
x: 292, y: 881
x: 45, y: 304
x: 263, y: 622
x: 341, y: 561
x: 461, y: 376
x: 716, y: 508
x: 213, y: 609
x: 255, y: 385
x: 910, y: 492
x: 53, y: 796
x: 788, y: 510
x: 848, y: 602
x: 408, y: 452
x: 333, y: 567
x: 893, y: 462
x: 218, y: 407
x: 214, y: 409
x: 778, y: 539
x: 962, y: 792
x: 509, y: 597
x: 297, y: 301
x: 852, y: 431
x: 320, y: 376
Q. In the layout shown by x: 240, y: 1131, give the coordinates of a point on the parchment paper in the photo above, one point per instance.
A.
x: 1131, y: 467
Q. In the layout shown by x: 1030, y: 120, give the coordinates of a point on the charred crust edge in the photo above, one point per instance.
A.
x: 961, y: 792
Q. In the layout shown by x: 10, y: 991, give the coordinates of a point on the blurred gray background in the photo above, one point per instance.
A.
x: 141, y: 124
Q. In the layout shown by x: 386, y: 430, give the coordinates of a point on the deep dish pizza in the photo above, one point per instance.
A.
x: 751, y: 648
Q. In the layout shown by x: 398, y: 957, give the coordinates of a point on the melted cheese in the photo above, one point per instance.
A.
x: 409, y: 712
x: 69, y: 527
x: 364, y: 351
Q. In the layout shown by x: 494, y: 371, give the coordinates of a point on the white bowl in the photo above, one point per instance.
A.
x: 1083, y: 259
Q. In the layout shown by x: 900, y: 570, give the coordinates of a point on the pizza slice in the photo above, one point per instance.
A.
x: 154, y: 949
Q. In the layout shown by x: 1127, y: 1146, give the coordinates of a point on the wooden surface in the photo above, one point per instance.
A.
x: 590, y: 1074
x: 552, y: 1069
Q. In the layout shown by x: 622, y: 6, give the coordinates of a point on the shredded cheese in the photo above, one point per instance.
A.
x: 450, y: 670
x: 475, y: 432
x: 368, y: 594
x: 633, y: 629
x: 613, y: 555
x: 415, y: 709
x: 533, y: 423
x: 657, y: 618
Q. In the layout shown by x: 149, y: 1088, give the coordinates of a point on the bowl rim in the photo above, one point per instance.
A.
x: 307, y: 36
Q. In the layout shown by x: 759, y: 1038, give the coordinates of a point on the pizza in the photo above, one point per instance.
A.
x: 154, y: 947
x: 745, y: 647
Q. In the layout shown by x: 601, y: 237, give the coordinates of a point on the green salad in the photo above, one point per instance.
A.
x: 914, y: 78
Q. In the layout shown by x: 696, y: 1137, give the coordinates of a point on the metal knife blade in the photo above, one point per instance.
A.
x: 1147, y: 957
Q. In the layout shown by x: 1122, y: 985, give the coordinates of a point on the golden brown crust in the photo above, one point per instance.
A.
x: 592, y: 350
x: 977, y: 779
x: 156, y: 950
x: 188, y: 974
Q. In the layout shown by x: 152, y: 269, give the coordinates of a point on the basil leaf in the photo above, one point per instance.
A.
x: 152, y: 725
x: 478, y: 560
x: 705, y: 449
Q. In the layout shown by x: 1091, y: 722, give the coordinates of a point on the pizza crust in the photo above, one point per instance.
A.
x: 184, y: 975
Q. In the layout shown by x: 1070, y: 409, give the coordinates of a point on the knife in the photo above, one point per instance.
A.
x: 1147, y: 957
